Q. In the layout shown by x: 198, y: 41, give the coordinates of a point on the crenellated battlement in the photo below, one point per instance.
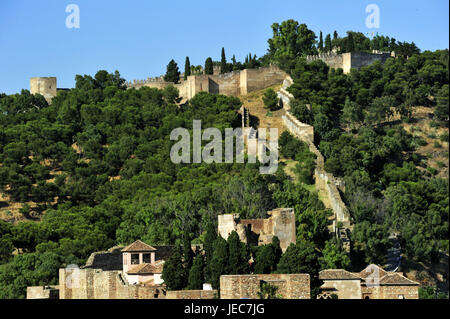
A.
x: 233, y: 83
x: 350, y: 60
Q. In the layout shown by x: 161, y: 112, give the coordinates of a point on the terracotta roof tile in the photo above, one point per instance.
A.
x: 337, y: 274
x: 146, y: 269
x: 396, y: 279
x: 138, y: 246
x: 370, y: 269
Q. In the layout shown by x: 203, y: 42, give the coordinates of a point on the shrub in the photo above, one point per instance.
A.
x: 270, y: 99
x: 444, y: 137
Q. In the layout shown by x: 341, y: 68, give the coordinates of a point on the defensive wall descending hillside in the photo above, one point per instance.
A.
x: 347, y: 61
x: 325, y: 182
x: 233, y: 83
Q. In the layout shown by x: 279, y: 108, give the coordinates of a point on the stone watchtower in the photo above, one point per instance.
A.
x: 46, y: 86
x: 281, y: 223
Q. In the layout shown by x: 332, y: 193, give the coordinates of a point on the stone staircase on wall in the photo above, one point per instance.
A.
x: 326, y: 184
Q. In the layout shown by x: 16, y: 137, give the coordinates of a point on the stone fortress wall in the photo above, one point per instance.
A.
x: 43, y: 292
x: 91, y: 283
x: 290, y: 286
x: 325, y: 182
x: 233, y: 83
x: 349, y: 60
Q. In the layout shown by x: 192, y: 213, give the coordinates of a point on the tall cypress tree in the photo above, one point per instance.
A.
x: 223, y: 62
x: 238, y: 256
x: 328, y: 46
x: 196, y: 274
x: 265, y: 260
x: 172, y: 73
x: 187, y: 68
x: 210, y: 237
x: 335, y: 35
x: 350, y: 43
x: 188, y: 254
x: 209, y: 68
x: 174, y: 274
x: 219, y: 263
x: 276, y: 250
x: 320, y: 41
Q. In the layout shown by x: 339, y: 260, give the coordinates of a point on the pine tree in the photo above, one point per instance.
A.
x: 196, y: 274
x: 209, y: 68
x: 321, y: 41
x: 328, y: 46
x: 223, y: 62
x: 187, y: 68
x: 174, y: 274
x: 172, y: 73
x: 238, y: 256
x: 352, y: 114
x: 441, y: 110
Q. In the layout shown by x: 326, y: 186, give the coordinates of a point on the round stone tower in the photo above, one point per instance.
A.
x: 45, y: 86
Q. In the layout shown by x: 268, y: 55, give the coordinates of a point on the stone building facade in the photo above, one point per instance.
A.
x: 290, y: 286
x: 281, y: 223
x: 371, y: 283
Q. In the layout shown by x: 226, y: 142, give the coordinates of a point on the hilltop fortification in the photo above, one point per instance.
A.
x: 350, y: 60
x: 45, y: 86
x: 233, y: 83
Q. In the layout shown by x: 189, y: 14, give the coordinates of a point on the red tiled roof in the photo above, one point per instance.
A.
x: 396, y: 279
x: 138, y: 246
x: 337, y: 274
x: 143, y: 269
x: 370, y: 270
x: 385, y: 278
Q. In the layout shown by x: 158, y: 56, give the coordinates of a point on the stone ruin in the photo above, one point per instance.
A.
x: 281, y: 223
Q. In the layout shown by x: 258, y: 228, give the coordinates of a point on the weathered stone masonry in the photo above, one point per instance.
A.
x: 325, y: 182
x: 233, y: 83
x: 290, y: 286
x: 281, y: 223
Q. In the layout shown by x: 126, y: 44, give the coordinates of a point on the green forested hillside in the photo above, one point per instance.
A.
x: 93, y: 169
x: 97, y: 163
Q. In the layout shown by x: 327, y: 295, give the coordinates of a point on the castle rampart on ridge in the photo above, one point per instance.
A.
x: 233, y: 83
x: 350, y: 60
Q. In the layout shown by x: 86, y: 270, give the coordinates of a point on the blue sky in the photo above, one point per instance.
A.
x: 139, y: 37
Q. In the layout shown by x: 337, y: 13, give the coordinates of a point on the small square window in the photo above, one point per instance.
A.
x: 134, y: 259
x: 146, y: 258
